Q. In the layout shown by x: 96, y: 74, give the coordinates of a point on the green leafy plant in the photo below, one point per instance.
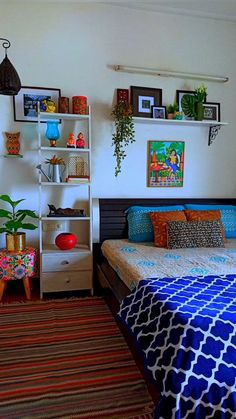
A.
x: 124, y: 132
x: 172, y: 108
x: 15, y: 217
x: 189, y: 102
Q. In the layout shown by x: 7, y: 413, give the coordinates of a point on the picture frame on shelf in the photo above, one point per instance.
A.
x: 179, y: 95
x: 143, y: 99
x: 25, y: 103
x: 211, y: 111
x: 159, y: 112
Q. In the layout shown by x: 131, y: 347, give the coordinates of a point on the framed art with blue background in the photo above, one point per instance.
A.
x: 143, y: 99
x: 25, y: 103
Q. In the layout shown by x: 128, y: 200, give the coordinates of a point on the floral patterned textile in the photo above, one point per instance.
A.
x: 18, y: 265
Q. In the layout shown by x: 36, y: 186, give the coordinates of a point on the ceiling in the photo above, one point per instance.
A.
x: 213, y: 9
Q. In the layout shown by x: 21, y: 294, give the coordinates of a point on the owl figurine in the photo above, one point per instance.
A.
x: 13, y: 143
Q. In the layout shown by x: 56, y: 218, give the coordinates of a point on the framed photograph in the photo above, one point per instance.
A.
x: 143, y: 99
x: 159, y: 112
x: 165, y: 163
x: 211, y: 111
x: 25, y: 103
x: 179, y: 95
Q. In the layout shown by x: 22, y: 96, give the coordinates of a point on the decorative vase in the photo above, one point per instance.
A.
x: 66, y: 241
x: 199, y: 111
x: 15, y: 242
x: 52, y: 132
x: 79, y: 105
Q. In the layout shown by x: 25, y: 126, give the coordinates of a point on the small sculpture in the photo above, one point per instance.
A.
x: 13, y: 143
x: 48, y: 105
x: 71, y: 142
x: 80, y: 142
x: 64, y: 212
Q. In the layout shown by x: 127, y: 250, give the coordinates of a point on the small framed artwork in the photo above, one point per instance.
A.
x: 159, y: 112
x: 179, y: 95
x: 211, y: 111
x: 25, y: 103
x: 143, y: 99
x: 165, y: 163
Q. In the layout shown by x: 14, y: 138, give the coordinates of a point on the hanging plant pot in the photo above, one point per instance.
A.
x: 15, y: 242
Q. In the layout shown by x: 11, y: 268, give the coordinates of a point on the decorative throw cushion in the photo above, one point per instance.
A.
x: 204, y: 215
x: 194, y: 234
x: 140, y: 228
x: 228, y: 216
x: 159, y: 221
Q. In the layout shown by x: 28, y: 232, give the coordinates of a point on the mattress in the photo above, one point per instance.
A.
x: 135, y: 261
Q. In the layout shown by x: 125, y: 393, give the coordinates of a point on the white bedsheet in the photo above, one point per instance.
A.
x: 135, y: 261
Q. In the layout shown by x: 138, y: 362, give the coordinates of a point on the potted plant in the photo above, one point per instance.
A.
x: 15, y: 239
x: 124, y: 131
x: 193, y: 104
x: 171, y: 109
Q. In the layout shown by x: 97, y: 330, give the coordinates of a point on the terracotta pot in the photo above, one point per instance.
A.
x: 170, y: 116
x: 15, y: 242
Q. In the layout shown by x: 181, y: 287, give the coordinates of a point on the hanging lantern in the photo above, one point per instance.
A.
x: 10, y: 83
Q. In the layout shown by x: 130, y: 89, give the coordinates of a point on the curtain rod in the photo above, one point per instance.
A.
x: 166, y: 73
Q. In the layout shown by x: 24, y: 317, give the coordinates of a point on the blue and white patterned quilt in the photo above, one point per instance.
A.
x: 186, y: 328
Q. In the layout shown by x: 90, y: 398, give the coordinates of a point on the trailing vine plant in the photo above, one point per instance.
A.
x: 124, y: 131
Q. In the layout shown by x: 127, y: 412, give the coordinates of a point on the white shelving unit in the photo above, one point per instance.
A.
x: 214, y: 126
x: 65, y: 270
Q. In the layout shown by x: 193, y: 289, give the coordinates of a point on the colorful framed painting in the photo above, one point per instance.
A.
x: 165, y: 163
x: 25, y: 103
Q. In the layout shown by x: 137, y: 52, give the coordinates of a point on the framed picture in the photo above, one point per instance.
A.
x: 211, y: 111
x: 25, y: 103
x: 143, y: 99
x: 159, y: 112
x: 165, y: 163
x: 179, y: 95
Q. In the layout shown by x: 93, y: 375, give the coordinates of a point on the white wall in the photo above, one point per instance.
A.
x: 71, y: 46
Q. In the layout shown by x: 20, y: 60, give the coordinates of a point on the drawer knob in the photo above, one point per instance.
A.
x: 65, y: 262
x: 68, y: 281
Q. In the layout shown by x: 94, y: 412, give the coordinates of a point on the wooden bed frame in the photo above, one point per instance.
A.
x: 113, y: 225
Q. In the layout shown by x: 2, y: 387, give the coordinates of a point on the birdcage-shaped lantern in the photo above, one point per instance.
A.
x: 78, y: 167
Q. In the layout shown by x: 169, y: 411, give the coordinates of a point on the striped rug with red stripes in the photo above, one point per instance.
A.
x: 67, y: 359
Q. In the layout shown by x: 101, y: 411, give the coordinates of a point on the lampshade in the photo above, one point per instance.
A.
x: 10, y: 83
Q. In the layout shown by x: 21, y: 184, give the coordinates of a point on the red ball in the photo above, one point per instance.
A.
x: 66, y: 241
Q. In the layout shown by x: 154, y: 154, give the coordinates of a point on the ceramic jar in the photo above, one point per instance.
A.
x: 79, y: 105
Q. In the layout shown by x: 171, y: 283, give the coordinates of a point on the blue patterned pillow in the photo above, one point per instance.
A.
x: 140, y: 228
x: 228, y: 216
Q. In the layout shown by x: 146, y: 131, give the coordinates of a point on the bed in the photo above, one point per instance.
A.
x: 182, y: 320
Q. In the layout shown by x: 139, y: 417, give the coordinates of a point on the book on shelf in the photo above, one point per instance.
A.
x: 75, y: 179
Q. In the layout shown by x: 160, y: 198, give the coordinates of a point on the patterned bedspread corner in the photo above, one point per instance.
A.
x: 186, y: 328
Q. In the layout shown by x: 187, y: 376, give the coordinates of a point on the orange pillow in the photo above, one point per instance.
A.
x: 205, y: 215
x: 159, y: 222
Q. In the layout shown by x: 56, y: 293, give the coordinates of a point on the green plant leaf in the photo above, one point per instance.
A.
x: 27, y: 213
x: 3, y: 230
x: 188, y: 105
x: 5, y: 214
x: 7, y: 198
x: 28, y: 226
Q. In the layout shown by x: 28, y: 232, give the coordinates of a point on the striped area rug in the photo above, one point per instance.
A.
x: 67, y: 359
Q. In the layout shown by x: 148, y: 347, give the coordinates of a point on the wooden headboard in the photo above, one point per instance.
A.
x: 113, y: 220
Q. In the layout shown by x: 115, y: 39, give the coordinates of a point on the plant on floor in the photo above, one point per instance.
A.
x: 15, y: 219
x: 124, y: 131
